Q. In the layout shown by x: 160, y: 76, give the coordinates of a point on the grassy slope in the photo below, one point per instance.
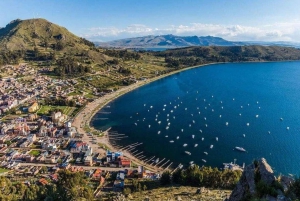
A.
x: 27, y: 34
x: 253, y: 52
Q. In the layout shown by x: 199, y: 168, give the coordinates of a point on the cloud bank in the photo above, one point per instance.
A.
x: 289, y: 31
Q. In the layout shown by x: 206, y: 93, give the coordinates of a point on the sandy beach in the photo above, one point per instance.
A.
x: 86, y: 114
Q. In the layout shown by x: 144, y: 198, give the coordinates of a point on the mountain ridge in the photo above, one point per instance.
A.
x: 173, y: 41
x: 168, y: 40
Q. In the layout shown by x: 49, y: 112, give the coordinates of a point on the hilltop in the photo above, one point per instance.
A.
x: 39, y: 39
x: 168, y: 41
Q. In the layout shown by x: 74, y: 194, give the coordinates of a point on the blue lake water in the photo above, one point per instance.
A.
x: 272, y: 91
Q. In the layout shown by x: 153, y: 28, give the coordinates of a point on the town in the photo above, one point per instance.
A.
x: 37, y: 138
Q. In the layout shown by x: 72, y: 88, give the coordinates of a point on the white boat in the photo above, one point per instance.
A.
x: 205, y: 125
x: 167, y: 115
x: 193, y: 136
x: 190, y: 125
x: 144, y: 105
x: 181, y: 130
x: 166, y: 136
x: 248, y: 124
x: 226, y: 123
x: 171, y: 141
x: 281, y: 119
x: 156, y: 161
x: 164, y: 109
x: 203, y: 139
x: 287, y: 128
x: 151, y: 106
x: 193, y: 121
x: 135, y: 124
x: 177, y: 137
x: 196, y: 145
x: 149, y: 126
x: 220, y: 116
x: 187, y: 152
x: 244, y: 135
x: 242, y: 107
x: 200, y: 131
x: 165, y: 105
x: 205, y: 153
x: 240, y: 114
x: 158, y: 132
x: 159, y: 122
x: 256, y: 116
x: 205, y: 118
x: 191, y: 162
x: 211, y: 146
x: 204, y: 160
x: 240, y: 149
x: 217, y: 138
x: 185, y: 108
x: 167, y: 127
x: 233, y: 99
x: 184, y: 145
x: 169, y: 124
x: 212, y: 110
x: 269, y: 132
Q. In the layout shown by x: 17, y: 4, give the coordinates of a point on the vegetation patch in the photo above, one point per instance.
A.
x: 35, y: 153
x: 2, y: 170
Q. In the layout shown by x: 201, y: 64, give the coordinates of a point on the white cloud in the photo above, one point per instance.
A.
x: 289, y: 31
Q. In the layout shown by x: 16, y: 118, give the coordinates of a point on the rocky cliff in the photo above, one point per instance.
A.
x: 258, y: 181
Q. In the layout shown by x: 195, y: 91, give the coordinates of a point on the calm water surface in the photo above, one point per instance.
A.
x: 251, y: 97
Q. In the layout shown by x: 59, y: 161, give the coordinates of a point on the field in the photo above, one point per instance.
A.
x: 180, y: 193
x: 44, y: 110
x: 35, y: 153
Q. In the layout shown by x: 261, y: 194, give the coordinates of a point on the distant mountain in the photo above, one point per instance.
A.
x: 168, y: 41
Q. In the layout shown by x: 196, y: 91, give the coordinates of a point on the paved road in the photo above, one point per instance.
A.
x: 84, y: 167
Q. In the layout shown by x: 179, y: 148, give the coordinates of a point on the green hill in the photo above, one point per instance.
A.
x: 39, y: 39
x: 190, y: 56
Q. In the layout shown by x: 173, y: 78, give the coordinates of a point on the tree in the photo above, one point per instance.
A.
x: 165, y: 178
x: 127, y: 191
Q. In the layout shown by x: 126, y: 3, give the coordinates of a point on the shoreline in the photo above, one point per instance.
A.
x: 84, y: 116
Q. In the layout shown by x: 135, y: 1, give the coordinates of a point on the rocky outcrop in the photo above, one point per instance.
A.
x: 245, y: 185
x: 266, y: 172
x: 259, y: 170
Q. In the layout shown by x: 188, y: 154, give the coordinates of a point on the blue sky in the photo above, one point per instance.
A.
x: 104, y: 20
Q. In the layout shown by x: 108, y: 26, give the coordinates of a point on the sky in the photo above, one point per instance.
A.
x: 106, y: 20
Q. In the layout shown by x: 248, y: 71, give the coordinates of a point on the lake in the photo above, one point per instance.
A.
x: 222, y: 106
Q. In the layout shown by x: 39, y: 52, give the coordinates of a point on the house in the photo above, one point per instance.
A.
x: 34, y: 107
x: 124, y: 162
x: 112, y: 156
x: 43, y: 181
x: 97, y: 174
x: 88, y: 161
x: 29, y: 159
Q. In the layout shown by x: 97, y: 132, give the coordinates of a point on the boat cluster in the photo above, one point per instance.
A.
x: 165, y: 114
